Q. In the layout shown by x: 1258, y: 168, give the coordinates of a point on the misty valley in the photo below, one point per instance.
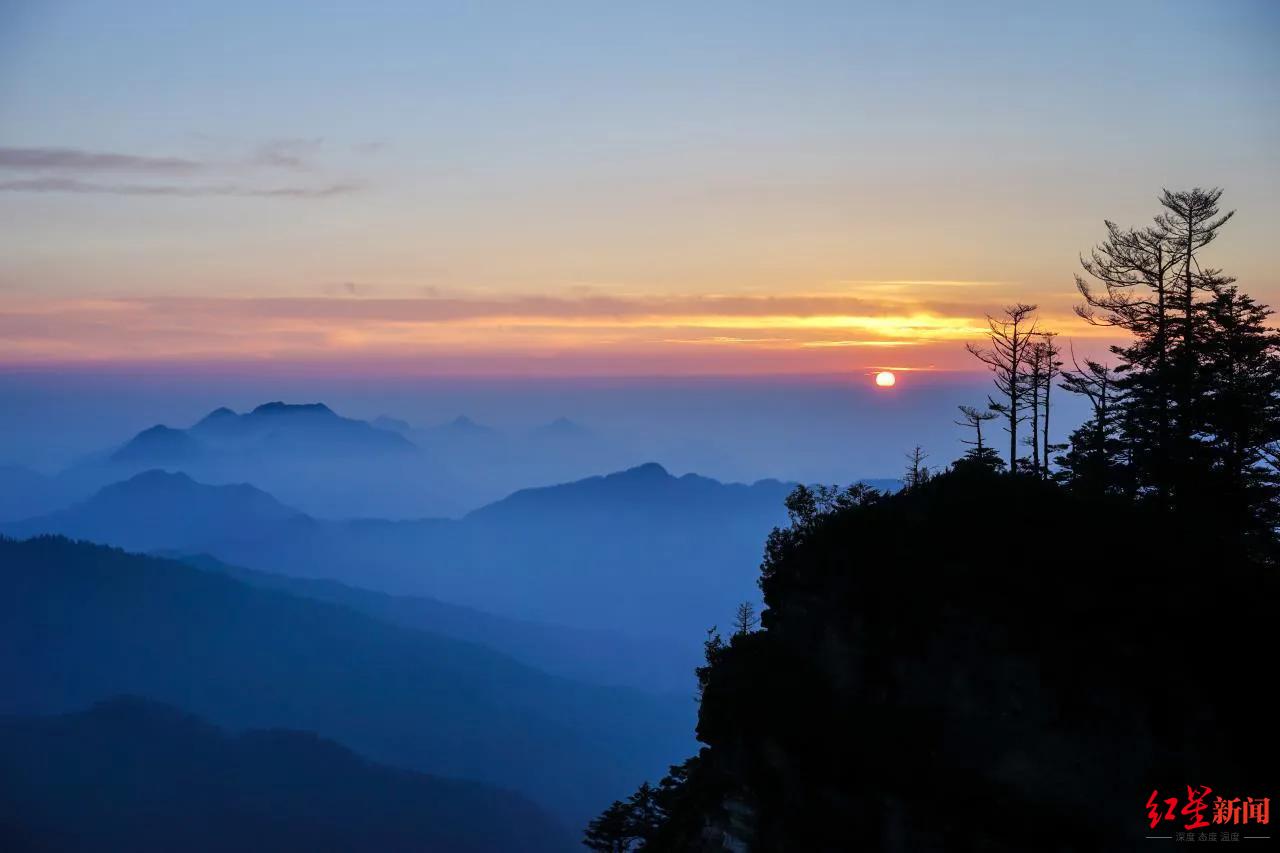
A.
x: 542, y: 644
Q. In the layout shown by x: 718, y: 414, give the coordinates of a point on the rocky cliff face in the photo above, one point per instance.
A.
x: 984, y: 664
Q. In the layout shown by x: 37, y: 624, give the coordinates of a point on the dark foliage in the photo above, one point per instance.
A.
x: 1186, y: 418
x: 913, y: 692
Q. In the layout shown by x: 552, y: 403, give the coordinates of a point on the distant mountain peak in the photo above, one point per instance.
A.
x: 127, y: 707
x: 462, y: 426
x: 217, y: 419
x: 647, y: 487
x: 156, y: 477
x: 158, y: 430
x: 178, y: 485
x: 561, y: 426
x: 647, y: 471
x: 159, y: 442
x: 165, y: 509
x: 278, y: 407
x: 272, y: 428
x: 391, y: 424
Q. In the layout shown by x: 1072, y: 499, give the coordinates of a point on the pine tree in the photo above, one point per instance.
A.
x: 917, y: 473
x: 1092, y: 461
x: 713, y: 648
x: 1136, y: 270
x: 611, y: 831
x: 1155, y: 286
x: 978, y: 453
x: 1046, y: 352
x: 644, y: 816
x: 1006, y: 355
x: 1238, y: 414
x: 1191, y: 221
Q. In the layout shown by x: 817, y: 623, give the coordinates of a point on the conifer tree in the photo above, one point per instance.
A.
x: 917, y: 473
x: 1032, y: 441
x: 1238, y: 413
x: 1135, y: 270
x: 713, y: 648
x: 644, y: 817
x: 1045, y: 352
x: 610, y: 832
x: 1092, y: 460
x: 1154, y: 286
x: 978, y: 453
x: 1009, y: 339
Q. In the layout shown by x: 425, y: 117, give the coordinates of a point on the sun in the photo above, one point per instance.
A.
x: 885, y: 379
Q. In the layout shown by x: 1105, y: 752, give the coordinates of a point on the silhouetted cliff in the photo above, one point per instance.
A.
x: 983, y: 662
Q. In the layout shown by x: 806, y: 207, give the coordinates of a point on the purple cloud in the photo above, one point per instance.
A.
x: 76, y: 160
x: 74, y: 185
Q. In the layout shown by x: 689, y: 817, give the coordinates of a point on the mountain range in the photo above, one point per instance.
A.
x: 81, y: 622
x: 540, y: 646
x: 272, y: 428
x: 307, y: 454
x: 132, y: 774
x: 607, y: 552
x: 333, y: 466
x: 159, y: 510
x: 596, y: 656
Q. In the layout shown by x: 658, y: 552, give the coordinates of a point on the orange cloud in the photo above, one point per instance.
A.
x: 707, y: 333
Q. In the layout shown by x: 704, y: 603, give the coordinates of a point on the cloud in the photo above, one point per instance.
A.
x: 477, y: 333
x: 921, y: 282
x: 75, y: 185
x: 76, y: 160
x: 857, y: 343
x: 62, y: 170
x: 347, y: 288
x: 529, y: 309
x: 562, y: 322
x: 287, y: 153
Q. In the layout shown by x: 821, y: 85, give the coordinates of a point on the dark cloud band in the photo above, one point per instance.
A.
x: 73, y: 159
x: 74, y: 185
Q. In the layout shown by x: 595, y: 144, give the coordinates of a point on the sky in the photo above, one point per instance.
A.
x: 600, y: 189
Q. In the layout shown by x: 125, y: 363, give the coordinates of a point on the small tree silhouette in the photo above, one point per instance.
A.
x: 917, y: 473
x: 978, y: 451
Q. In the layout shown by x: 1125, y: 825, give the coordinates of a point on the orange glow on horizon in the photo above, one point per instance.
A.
x: 697, y: 334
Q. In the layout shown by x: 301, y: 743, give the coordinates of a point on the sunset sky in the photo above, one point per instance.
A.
x: 601, y: 188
